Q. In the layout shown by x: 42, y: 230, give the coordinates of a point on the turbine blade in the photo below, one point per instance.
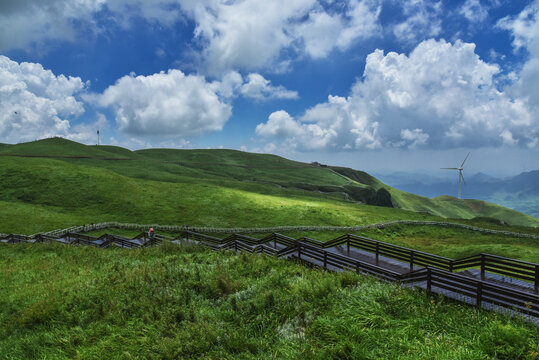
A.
x: 465, y: 160
x: 462, y: 175
x: 450, y: 168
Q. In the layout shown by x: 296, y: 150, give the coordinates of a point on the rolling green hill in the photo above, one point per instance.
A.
x: 55, y: 183
x: 59, y: 147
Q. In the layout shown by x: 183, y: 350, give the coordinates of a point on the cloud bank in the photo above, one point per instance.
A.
x: 524, y: 28
x: 35, y: 103
x: 441, y: 95
x: 244, y: 35
x: 173, y: 104
x: 28, y: 23
x: 251, y: 34
x: 166, y: 104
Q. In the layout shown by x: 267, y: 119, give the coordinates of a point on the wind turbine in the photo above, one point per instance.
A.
x: 461, y: 177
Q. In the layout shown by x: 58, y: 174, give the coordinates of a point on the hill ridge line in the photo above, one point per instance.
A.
x: 173, y: 228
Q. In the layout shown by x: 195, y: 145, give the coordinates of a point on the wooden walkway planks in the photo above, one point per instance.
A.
x: 489, y: 290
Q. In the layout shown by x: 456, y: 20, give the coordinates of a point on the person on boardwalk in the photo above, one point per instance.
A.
x: 151, y: 234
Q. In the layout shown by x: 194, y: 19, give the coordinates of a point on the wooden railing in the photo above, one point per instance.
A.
x: 436, y: 280
x: 277, y: 229
x: 518, y: 269
x: 485, y: 262
x: 437, y: 274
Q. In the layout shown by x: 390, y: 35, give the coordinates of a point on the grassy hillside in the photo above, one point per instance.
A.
x: 173, y: 302
x: 71, y: 184
x: 445, y: 206
x: 519, y: 192
x: 58, y: 147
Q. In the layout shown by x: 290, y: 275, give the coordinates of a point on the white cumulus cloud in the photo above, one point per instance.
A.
x: 441, y: 95
x: 25, y: 23
x: 166, y: 104
x: 414, y: 137
x: 257, y: 87
x: 253, y: 86
x: 35, y: 103
x: 281, y: 124
x: 524, y: 28
x: 422, y: 20
x: 252, y: 34
x: 323, y: 31
x: 244, y: 35
x: 474, y: 11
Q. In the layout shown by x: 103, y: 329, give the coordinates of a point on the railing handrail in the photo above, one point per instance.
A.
x: 478, y: 289
x: 400, y: 247
x: 177, y: 228
x: 509, y: 259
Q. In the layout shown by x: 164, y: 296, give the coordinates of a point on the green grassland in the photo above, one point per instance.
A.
x: 80, y: 183
x: 186, y: 302
x: 172, y: 302
x: 56, y: 183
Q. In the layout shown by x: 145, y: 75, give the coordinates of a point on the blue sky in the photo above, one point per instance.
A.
x: 378, y: 85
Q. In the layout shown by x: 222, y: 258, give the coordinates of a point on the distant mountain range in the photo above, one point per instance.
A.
x: 520, y: 192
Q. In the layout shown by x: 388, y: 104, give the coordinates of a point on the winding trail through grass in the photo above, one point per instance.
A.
x: 174, y: 228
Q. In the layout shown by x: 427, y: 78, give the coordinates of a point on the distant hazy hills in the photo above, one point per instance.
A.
x: 519, y: 192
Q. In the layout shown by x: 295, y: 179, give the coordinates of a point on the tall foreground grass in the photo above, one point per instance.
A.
x: 187, y: 302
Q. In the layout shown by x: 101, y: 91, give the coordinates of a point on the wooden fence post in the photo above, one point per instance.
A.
x: 536, y: 279
x: 348, y: 244
x: 429, y: 281
x: 482, y: 266
x: 299, y: 250
x: 479, y: 293
x: 377, y: 251
x: 325, y: 259
x: 411, y: 260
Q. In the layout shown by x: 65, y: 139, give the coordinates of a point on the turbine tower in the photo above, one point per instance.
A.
x: 461, y: 177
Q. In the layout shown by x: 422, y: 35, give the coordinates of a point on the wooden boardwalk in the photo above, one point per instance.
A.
x: 483, y: 280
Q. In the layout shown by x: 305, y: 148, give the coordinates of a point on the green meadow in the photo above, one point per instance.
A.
x: 176, y: 302
x: 57, y: 183
x: 186, y: 302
